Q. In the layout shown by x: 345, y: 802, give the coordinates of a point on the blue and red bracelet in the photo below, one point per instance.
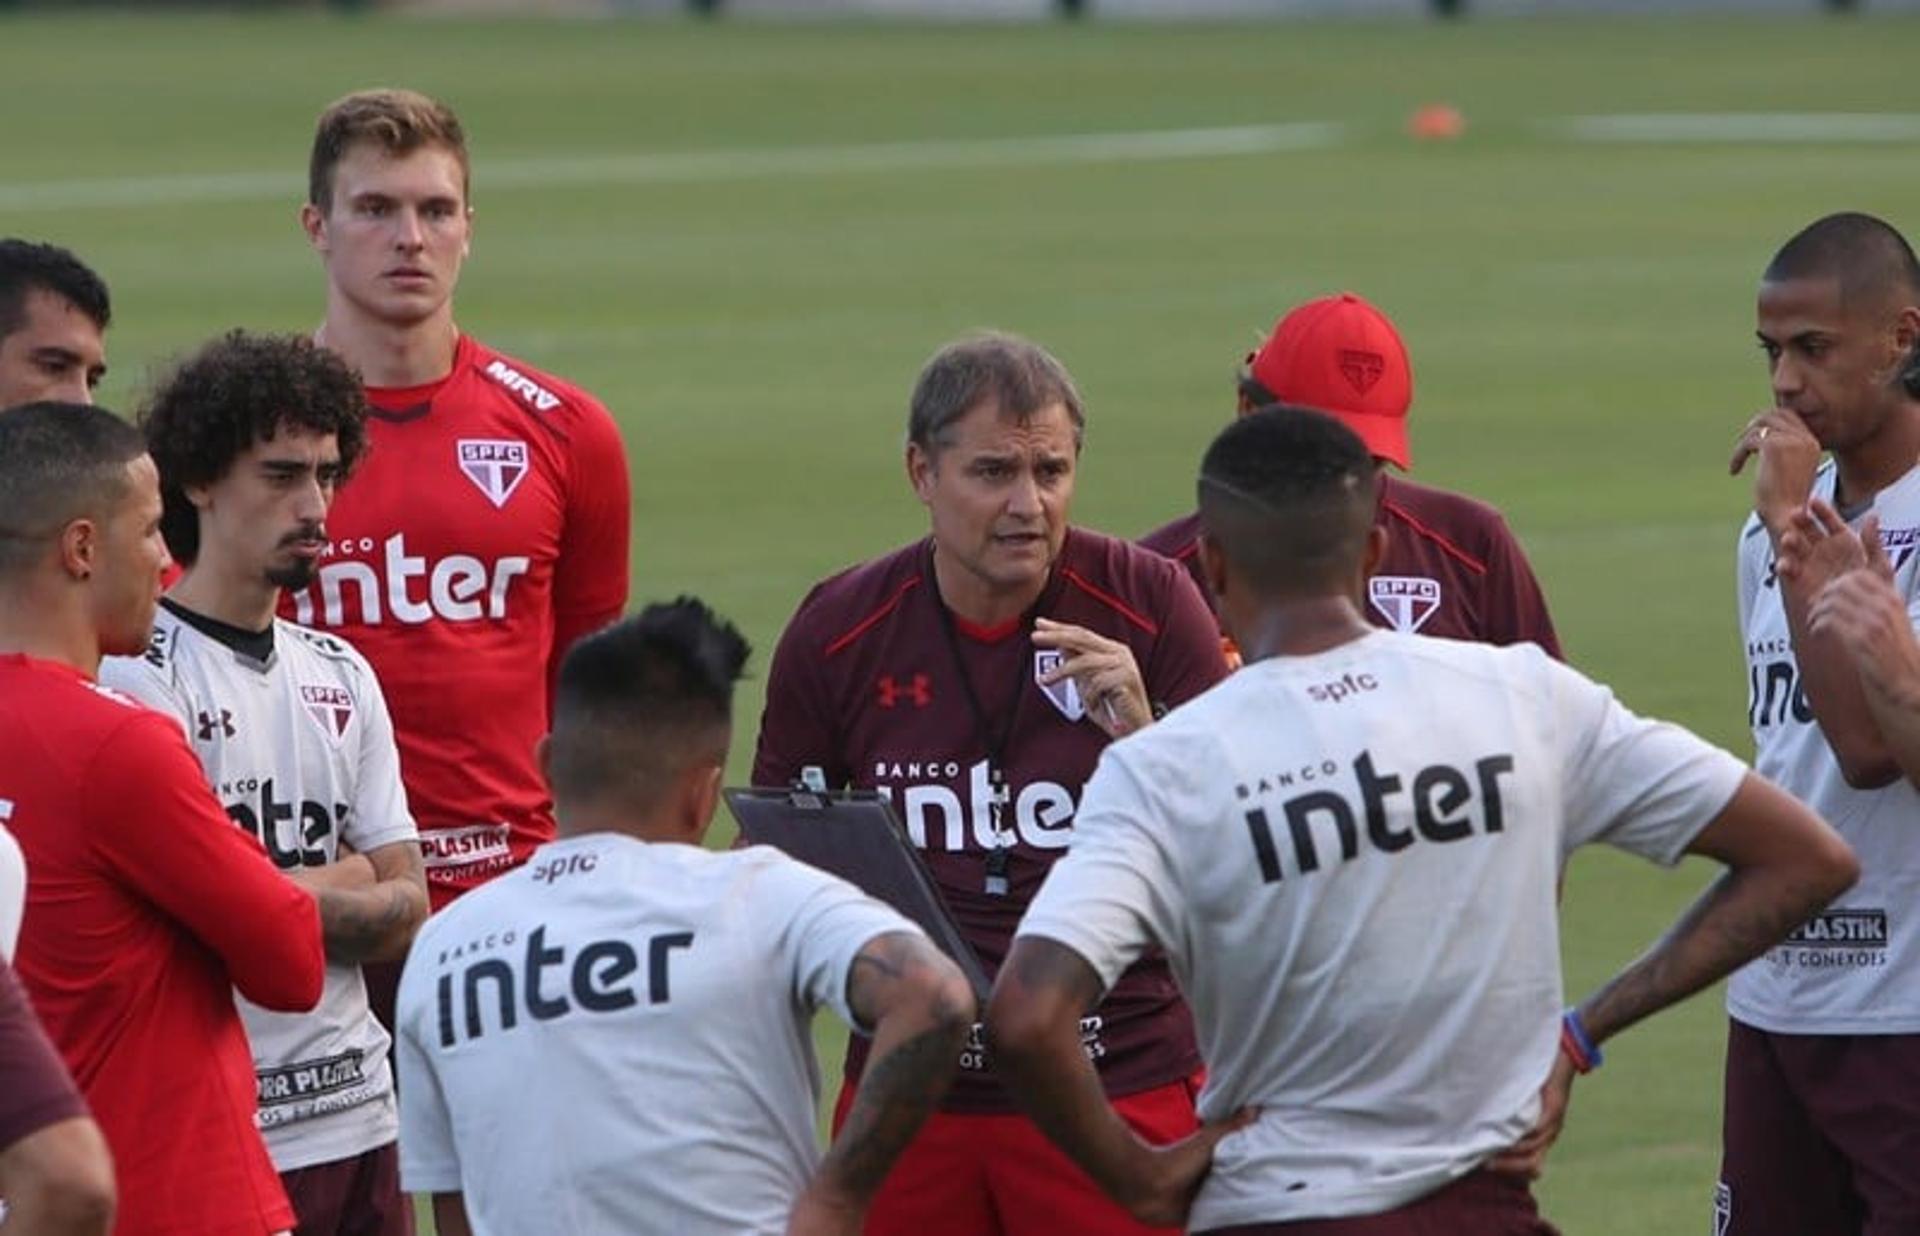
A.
x: 1579, y: 1046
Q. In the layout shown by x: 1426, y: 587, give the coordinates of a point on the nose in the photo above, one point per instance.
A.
x: 1024, y: 497
x: 72, y: 390
x: 1787, y: 378
x: 412, y: 235
x: 311, y: 504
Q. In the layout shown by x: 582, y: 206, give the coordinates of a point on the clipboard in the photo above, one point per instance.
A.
x: 855, y: 835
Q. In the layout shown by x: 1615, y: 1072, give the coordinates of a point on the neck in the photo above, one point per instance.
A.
x: 579, y: 819
x: 48, y: 627
x: 390, y: 354
x: 1869, y: 467
x: 977, y: 600
x: 213, y: 590
x: 1299, y: 627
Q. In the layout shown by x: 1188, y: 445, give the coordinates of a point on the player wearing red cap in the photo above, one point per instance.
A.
x: 1452, y: 567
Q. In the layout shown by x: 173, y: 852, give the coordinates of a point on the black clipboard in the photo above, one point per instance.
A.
x: 855, y: 835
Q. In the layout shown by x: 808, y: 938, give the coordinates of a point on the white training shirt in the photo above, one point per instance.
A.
x: 13, y: 885
x: 1351, y: 860
x: 303, y: 742
x: 1854, y: 968
x: 616, y: 1038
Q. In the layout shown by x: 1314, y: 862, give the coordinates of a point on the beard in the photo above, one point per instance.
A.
x: 294, y: 575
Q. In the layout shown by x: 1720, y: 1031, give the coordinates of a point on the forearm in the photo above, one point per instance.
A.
x: 370, y: 924
x: 908, y: 1072
x: 1896, y: 714
x: 1059, y: 1088
x: 1834, y: 692
x: 59, y: 1181
x: 1740, y: 916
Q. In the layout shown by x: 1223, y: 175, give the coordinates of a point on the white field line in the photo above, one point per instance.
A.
x: 1754, y: 127
x: 703, y: 167
x: 710, y: 166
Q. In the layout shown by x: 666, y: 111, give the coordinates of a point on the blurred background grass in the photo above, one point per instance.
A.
x: 1580, y: 314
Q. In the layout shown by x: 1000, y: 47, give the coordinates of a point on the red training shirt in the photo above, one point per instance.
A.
x: 485, y: 531
x: 1452, y: 569
x: 865, y: 687
x: 145, y: 908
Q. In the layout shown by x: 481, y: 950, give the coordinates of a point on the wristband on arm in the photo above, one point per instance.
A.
x: 1577, y: 1044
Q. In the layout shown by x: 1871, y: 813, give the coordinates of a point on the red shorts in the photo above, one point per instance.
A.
x: 967, y: 1175
x: 1479, y: 1203
x: 1821, y: 1135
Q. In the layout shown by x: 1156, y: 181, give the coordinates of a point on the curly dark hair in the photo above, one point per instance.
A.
x: 236, y: 391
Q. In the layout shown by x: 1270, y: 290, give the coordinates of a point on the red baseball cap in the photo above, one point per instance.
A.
x: 1340, y: 355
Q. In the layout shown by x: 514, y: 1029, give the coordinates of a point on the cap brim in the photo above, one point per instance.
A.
x: 1385, y: 436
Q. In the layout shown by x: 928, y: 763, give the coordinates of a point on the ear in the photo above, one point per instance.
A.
x: 80, y: 548
x: 200, y: 495
x: 1213, y: 566
x: 702, y: 798
x: 314, y: 224
x: 920, y: 473
x: 1376, y: 551
x: 543, y: 755
x: 1906, y: 336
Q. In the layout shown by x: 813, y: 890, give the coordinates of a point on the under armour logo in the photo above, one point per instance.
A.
x: 208, y: 722
x: 919, y: 689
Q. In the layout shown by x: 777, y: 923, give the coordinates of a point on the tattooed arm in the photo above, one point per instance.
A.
x: 1783, y: 864
x: 1033, y: 1027
x: 919, y: 1007
x: 370, y: 904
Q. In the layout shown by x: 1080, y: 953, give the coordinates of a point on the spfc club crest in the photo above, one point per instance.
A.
x: 1065, y: 694
x: 1361, y: 369
x: 1405, y: 601
x: 330, y: 707
x: 495, y: 466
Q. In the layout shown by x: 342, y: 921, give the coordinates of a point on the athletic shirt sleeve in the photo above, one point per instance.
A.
x: 797, y: 727
x: 35, y: 1090
x: 13, y: 886
x: 1516, y: 609
x: 1115, y: 893
x: 428, y: 1161
x: 822, y: 923
x: 591, y: 572
x: 380, y: 813
x: 1647, y: 787
x: 161, y: 832
x: 1188, y: 658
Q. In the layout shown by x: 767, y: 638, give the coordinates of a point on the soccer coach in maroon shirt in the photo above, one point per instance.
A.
x: 974, y: 677
x: 1452, y: 567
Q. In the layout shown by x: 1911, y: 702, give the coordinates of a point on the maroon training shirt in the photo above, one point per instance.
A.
x: 1452, y: 569
x: 35, y: 1090
x: 865, y: 687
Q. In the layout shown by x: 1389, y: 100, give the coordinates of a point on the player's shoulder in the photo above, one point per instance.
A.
x: 1178, y: 539
x: 325, y: 648
x: 550, y: 398
x: 1454, y: 519
x: 846, y: 605
x: 1130, y: 580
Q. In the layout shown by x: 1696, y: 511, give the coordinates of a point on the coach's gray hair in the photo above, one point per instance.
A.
x: 58, y: 462
x: 1015, y: 375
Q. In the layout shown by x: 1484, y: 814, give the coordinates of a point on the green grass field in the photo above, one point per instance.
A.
x: 1580, y: 314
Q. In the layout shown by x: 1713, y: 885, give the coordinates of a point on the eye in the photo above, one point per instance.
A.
x: 1770, y: 349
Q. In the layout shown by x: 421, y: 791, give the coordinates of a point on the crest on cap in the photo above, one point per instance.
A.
x: 1362, y: 369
